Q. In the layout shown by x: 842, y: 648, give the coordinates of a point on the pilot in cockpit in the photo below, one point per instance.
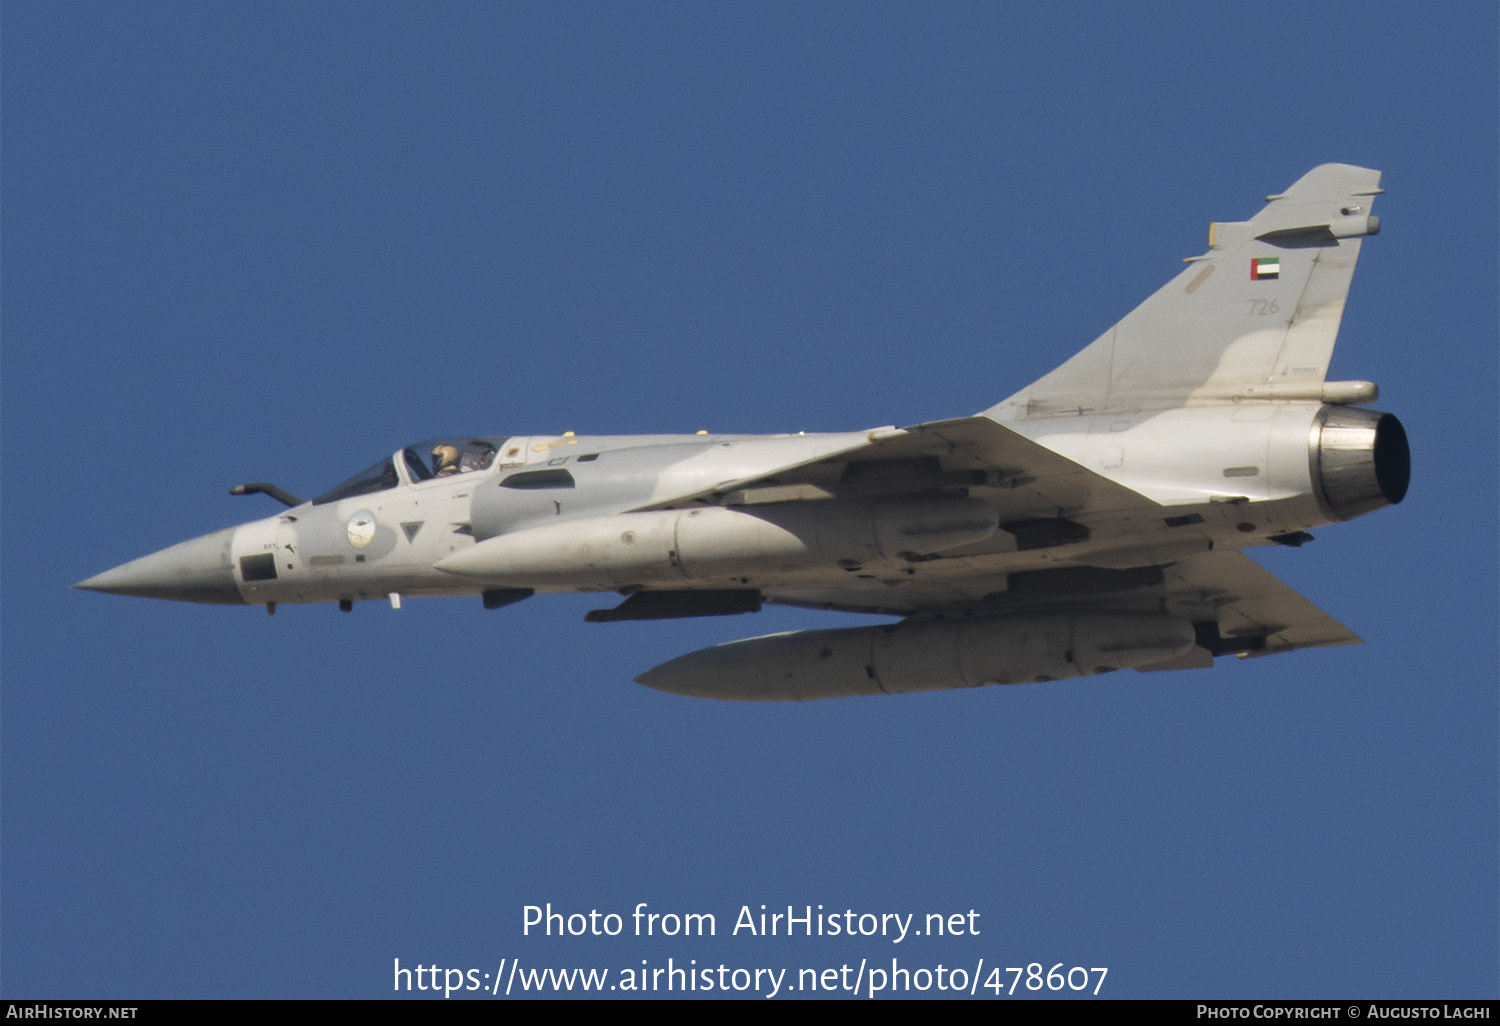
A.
x: 445, y: 461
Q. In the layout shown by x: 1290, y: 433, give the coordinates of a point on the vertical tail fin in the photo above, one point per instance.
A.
x: 1255, y: 316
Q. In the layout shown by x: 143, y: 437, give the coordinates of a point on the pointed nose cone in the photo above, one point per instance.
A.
x: 190, y: 571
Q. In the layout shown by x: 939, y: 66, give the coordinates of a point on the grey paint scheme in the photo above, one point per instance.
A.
x: 198, y: 570
x: 1106, y: 500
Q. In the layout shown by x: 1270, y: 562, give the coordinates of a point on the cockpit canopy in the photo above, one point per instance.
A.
x: 425, y: 461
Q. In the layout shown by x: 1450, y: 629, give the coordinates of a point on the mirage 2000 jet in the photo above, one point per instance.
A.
x: 1091, y: 522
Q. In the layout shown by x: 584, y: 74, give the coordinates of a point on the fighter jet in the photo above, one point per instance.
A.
x: 1091, y: 522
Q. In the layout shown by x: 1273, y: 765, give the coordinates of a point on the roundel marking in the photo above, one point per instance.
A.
x: 361, y: 529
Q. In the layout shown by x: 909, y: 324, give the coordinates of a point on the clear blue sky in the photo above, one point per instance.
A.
x: 275, y: 241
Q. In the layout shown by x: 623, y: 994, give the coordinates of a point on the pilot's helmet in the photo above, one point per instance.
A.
x: 445, y: 459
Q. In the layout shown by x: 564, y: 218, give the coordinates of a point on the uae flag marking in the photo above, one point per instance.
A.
x: 1265, y: 268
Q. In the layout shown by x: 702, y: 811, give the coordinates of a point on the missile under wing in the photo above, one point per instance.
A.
x: 1091, y: 522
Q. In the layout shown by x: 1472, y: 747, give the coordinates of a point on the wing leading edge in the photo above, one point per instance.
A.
x: 1039, y: 477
